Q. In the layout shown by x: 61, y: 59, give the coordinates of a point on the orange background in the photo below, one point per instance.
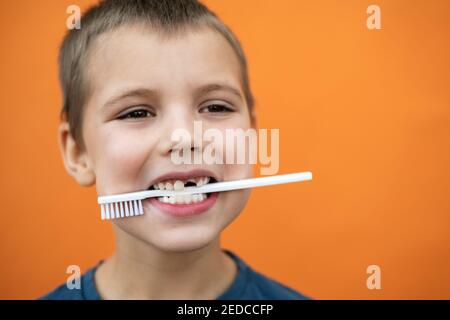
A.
x: 368, y: 112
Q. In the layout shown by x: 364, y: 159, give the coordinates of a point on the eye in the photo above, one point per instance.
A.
x: 136, y: 114
x: 216, y: 108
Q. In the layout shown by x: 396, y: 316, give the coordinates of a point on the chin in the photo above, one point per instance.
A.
x: 182, y: 239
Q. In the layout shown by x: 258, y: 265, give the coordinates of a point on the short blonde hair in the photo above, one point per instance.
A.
x: 166, y: 17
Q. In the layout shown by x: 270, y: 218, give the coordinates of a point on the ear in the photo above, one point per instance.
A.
x: 76, y: 161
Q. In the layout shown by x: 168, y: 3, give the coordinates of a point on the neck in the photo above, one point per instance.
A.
x: 138, y: 270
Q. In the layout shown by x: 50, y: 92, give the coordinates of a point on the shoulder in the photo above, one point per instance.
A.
x: 63, y: 293
x: 87, y: 290
x: 265, y: 287
x: 257, y: 286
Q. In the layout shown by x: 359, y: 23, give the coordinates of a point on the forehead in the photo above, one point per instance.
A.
x: 134, y: 55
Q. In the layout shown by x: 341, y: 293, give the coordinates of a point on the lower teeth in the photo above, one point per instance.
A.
x: 183, y: 199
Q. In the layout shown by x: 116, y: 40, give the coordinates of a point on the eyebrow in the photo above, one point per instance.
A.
x: 217, y: 87
x: 138, y: 92
x: 144, y: 92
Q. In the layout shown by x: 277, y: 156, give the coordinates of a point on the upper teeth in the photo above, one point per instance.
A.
x: 179, y: 184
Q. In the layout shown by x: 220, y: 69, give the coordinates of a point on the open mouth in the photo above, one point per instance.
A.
x: 179, y: 185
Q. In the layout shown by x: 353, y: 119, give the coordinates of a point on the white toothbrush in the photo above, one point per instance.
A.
x: 130, y: 204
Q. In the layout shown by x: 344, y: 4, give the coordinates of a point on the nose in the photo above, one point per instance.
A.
x: 178, y: 132
x: 180, y: 147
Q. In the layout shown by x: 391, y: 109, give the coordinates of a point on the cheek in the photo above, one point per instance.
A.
x: 120, y: 161
x: 235, y: 170
x: 233, y: 202
x: 126, y: 153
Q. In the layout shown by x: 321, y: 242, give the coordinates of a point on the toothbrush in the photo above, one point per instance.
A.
x: 130, y: 204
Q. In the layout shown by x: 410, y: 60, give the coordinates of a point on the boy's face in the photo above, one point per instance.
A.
x: 162, y: 78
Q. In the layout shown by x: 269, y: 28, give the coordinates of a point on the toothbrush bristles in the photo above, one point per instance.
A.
x: 121, y: 209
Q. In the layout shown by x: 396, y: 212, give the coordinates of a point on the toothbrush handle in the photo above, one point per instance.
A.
x: 254, y: 182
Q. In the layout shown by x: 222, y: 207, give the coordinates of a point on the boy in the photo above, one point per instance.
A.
x: 135, y: 72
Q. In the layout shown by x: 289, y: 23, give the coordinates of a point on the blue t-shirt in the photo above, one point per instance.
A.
x: 247, y: 285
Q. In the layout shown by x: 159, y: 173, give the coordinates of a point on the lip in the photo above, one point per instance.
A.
x: 184, y: 175
x: 184, y: 210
